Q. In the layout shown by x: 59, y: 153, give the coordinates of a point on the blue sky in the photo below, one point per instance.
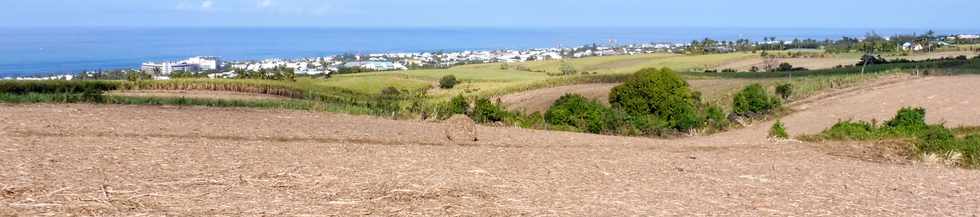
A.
x: 956, y: 14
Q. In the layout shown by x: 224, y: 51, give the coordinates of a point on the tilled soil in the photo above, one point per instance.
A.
x: 146, y: 160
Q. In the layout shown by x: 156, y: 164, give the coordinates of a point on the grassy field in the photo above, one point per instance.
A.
x: 500, y: 78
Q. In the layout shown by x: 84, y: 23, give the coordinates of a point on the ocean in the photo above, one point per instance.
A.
x: 49, y: 50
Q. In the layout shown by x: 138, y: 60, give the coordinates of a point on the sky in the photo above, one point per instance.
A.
x: 949, y: 14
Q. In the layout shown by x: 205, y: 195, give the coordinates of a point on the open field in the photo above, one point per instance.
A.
x: 495, y: 77
x: 151, y: 160
x: 719, y: 91
x: 499, y: 78
x: 947, y: 99
x: 833, y: 60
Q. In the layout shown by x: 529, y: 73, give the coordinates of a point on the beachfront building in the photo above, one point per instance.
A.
x: 194, y: 64
x: 376, y: 66
x: 166, y: 68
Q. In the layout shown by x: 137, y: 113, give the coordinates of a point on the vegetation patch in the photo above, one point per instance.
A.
x: 778, y: 131
x: 754, y: 101
x: 579, y: 112
x: 959, y: 146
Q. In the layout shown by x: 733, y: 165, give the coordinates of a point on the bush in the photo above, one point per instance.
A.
x: 659, y: 92
x: 848, y: 130
x: 390, y: 92
x: 485, y: 111
x: 778, y: 130
x: 784, y: 67
x: 577, y: 111
x: 909, y: 123
x: 785, y: 91
x: 716, y: 118
x: 448, y: 82
x: 909, y: 118
x: 754, y: 100
x: 458, y: 105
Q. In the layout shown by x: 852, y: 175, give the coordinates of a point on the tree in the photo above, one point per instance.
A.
x: 658, y: 92
x: 579, y: 112
x: 754, y: 100
x: 448, y: 82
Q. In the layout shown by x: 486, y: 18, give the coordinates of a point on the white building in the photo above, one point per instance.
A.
x: 194, y: 64
x: 378, y: 66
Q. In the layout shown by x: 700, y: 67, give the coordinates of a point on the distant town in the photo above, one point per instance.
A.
x: 215, y: 67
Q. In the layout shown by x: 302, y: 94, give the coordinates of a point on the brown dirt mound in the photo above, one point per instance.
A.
x: 461, y: 129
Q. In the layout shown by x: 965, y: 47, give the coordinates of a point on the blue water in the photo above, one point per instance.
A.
x: 34, y: 51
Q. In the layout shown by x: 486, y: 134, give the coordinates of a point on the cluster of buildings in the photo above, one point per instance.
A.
x: 215, y: 67
x: 193, y: 64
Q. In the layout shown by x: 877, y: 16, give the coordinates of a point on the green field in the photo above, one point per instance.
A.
x: 500, y: 78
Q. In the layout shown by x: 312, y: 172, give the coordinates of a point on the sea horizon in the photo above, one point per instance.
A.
x: 33, y: 51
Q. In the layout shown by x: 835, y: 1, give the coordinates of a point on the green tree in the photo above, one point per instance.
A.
x: 577, y: 111
x: 448, y: 82
x: 754, y: 100
x: 658, y: 92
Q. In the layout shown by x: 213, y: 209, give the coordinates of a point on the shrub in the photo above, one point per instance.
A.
x: 458, y: 105
x: 716, y: 118
x: 659, y: 92
x: 648, y: 125
x: 390, y: 92
x: 448, y: 82
x: 778, y: 130
x: 533, y: 120
x: 754, y: 100
x: 785, y: 90
x: 577, y: 111
x: 784, y: 67
x: 848, y: 130
x: 909, y: 118
x: 485, y: 111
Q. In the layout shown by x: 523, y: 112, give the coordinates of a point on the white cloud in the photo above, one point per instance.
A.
x: 204, y: 5
x: 265, y: 3
x: 207, y: 4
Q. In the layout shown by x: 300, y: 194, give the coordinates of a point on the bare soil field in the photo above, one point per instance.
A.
x: 198, y: 94
x: 831, y: 62
x: 111, y: 160
x: 952, y: 100
x: 809, y: 63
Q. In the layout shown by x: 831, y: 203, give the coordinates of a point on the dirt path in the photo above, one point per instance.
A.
x: 951, y: 100
x: 136, y: 160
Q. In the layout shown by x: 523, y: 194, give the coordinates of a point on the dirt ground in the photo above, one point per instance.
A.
x: 952, y: 100
x: 198, y: 94
x: 112, y: 160
x: 831, y: 62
